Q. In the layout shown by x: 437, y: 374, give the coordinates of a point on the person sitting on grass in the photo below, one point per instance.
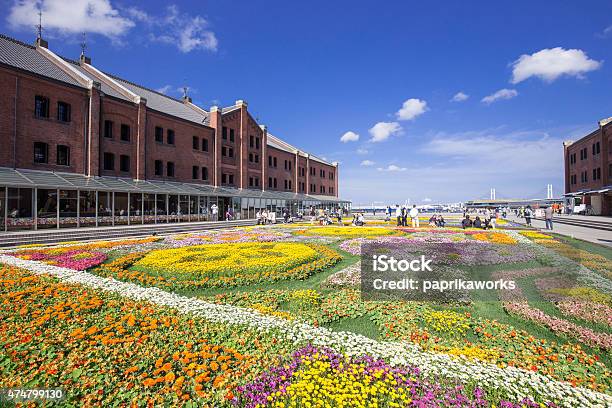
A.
x: 466, y: 222
x: 440, y: 222
x: 360, y: 221
x: 477, y: 222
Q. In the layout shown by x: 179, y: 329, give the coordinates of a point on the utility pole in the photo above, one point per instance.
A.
x: 549, y: 191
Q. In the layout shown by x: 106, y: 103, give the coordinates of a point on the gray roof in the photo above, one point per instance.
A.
x: 229, y: 108
x: 313, y: 157
x: 73, y: 181
x: 286, y: 147
x: 104, y: 87
x: 164, y: 103
x: 24, y: 56
x: 272, y: 143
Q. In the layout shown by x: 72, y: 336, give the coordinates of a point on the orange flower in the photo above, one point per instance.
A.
x: 218, y: 381
x: 170, y: 377
x: 149, y: 382
x: 131, y: 369
x: 159, y: 362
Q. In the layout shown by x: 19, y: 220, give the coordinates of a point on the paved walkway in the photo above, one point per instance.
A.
x: 584, y: 233
x: 592, y: 218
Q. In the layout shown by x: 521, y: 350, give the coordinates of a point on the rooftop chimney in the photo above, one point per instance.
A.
x: 604, y: 122
x: 85, y: 59
x: 40, y: 42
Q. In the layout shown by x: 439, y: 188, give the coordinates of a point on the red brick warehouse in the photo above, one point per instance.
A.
x: 84, y: 147
x: 588, y: 169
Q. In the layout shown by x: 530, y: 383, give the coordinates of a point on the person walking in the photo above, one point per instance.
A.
x: 528, y: 215
x: 414, y: 216
x: 548, y: 215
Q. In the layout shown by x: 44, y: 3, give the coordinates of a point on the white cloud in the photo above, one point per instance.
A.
x: 186, y: 32
x: 518, y: 163
x: 606, y: 32
x: 382, y: 130
x: 362, y: 151
x: 460, y: 97
x: 349, y: 137
x: 164, y: 89
x: 411, y: 109
x: 69, y: 17
x: 138, y: 14
x: 551, y: 63
x: 367, y: 163
x: 391, y: 167
x: 515, y: 153
x: 501, y: 94
x: 427, y: 200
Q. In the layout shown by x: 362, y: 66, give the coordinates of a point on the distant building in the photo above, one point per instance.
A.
x: 81, y: 147
x: 588, y: 169
x: 512, y: 203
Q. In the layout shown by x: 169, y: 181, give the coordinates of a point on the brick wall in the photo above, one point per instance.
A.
x: 253, y: 155
x: 280, y: 172
x: 31, y: 129
x: 118, y: 112
x: 181, y: 153
x: 586, y: 165
x: 325, y: 179
x: 229, y: 165
x: 84, y: 134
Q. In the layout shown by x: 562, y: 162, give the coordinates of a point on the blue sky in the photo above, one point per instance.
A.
x: 313, y: 71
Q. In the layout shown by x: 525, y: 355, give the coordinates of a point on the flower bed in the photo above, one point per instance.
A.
x: 345, y: 232
x: 592, y: 261
x: 535, y: 235
x: 511, y: 383
x: 226, y: 236
x: 516, y: 303
x: 444, y: 250
x: 560, y: 326
x: 104, y: 350
x: 494, y: 238
x: 462, y: 335
x: 322, y: 377
x: 223, y: 264
x: 78, y: 259
x: 79, y: 256
x: 349, y: 276
x: 580, y: 308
